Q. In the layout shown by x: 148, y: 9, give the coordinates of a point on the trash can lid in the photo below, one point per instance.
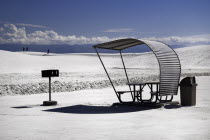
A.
x: 188, y: 81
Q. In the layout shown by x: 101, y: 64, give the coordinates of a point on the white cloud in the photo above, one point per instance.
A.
x: 1, y: 29
x: 25, y: 25
x: 198, y: 39
x: 119, y: 30
x: 13, y: 35
x: 32, y: 25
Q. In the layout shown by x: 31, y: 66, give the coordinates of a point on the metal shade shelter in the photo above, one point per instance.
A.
x: 169, y: 63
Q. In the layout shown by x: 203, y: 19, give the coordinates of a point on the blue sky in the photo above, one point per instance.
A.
x: 107, y: 18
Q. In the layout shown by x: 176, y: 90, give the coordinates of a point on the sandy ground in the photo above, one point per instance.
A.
x: 20, y: 72
x: 89, y: 114
x: 87, y: 111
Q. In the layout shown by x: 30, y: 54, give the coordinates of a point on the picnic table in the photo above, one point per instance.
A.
x: 137, y: 89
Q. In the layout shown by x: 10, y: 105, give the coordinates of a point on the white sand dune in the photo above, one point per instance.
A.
x: 34, y: 62
x: 20, y: 73
x: 87, y: 112
x: 195, y: 57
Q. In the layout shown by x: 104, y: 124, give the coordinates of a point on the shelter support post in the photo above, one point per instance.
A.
x: 107, y: 74
x: 133, y: 96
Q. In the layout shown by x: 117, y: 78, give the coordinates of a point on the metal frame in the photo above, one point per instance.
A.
x: 168, y: 60
x: 132, y: 95
x: 107, y: 74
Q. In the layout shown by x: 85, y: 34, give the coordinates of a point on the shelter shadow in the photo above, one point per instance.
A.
x: 88, y: 109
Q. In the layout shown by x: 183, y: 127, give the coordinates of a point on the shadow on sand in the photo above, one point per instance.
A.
x: 172, y: 105
x: 20, y: 107
x: 88, y: 109
x: 27, y: 106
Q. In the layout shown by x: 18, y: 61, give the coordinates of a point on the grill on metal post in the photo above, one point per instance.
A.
x: 49, y: 74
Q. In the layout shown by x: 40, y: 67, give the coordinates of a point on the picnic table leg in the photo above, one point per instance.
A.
x: 146, y: 100
x: 151, y: 88
x: 119, y: 98
x: 158, y: 88
x: 152, y: 95
x: 134, y: 94
x: 157, y: 92
x: 140, y: 93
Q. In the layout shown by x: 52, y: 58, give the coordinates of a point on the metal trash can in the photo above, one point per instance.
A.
x: 188, y: 91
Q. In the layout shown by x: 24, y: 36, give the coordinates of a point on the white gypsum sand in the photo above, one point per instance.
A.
x: 20, y: 73
x: 88, y: 114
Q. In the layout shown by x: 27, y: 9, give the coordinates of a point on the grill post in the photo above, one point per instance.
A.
x: 49, y: 74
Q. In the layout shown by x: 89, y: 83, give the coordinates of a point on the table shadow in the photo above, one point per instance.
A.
x: 89, y: 109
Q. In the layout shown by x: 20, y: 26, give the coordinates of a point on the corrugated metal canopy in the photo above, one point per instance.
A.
x: 119, y: 44
x: 170, y: 67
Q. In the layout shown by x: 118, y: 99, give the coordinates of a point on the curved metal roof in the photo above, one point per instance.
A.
x: 170, y: 67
